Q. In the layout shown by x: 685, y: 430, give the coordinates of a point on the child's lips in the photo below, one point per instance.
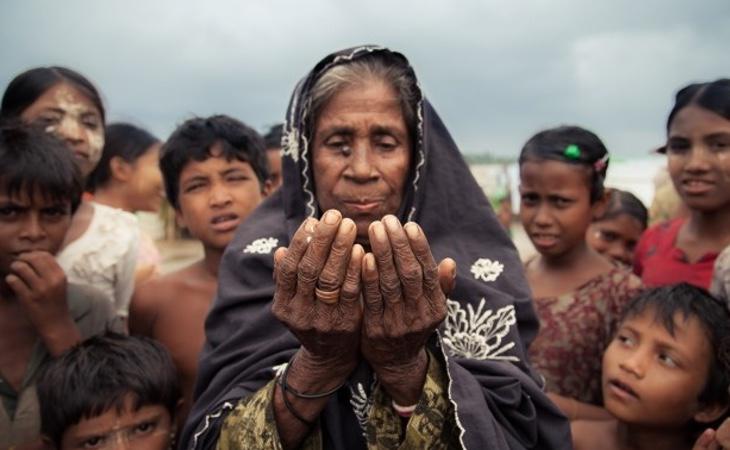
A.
x: 622, y: 390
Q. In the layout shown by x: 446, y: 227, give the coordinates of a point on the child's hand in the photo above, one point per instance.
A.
x: 40, y: 286
x: 714, y: 439
x: 722, y: 435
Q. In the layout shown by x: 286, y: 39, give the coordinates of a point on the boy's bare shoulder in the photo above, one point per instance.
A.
x: 594, y: 434
x: 160, y: 294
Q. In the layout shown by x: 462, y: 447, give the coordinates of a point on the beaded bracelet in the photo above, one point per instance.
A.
x: 285, y: 386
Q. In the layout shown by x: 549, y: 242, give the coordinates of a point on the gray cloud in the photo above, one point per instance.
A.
x: 497, y: 71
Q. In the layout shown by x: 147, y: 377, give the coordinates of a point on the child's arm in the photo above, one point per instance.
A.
x: 40, y: 286
x: 575, y: 410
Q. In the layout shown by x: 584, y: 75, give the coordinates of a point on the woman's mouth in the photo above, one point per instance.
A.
x: 695, y: 186
x: 362, y: 207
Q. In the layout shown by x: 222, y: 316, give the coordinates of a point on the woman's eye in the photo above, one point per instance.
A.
x: 48, y: 120
x: 677, y: 146
x: 92, y: 124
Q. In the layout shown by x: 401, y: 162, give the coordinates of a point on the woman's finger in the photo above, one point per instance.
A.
x: 408, y: 267
x: 316, y: 254
x: 390, y: 286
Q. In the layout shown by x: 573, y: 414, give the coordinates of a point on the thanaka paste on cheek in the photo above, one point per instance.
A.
x: 71, y: 124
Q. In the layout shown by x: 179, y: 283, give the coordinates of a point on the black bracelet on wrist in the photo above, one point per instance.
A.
x: 293, y: 412
x: 285, y: 386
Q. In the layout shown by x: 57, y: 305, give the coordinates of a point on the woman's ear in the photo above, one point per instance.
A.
x: 710, y: 413
x: 120, y: 169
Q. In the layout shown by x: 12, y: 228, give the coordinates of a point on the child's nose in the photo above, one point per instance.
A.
x: 634, y: 364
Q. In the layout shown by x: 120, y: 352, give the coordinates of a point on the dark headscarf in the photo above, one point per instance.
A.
x: 498, y: 401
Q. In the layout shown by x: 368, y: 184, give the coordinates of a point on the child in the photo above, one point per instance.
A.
x: 616, y: 233
x: 273, y: 154
x: 215, y: 175
x: 100, y: 248
x: 666, y: 373
x: 41, y: 315
x: 578, y: 293
x: 698, y: 159
x: 128, y: 178
x: 108, y: 391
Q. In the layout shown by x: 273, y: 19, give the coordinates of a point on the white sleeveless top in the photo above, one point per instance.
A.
x: 105, y: 256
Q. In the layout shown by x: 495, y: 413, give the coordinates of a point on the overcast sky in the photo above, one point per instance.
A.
x: 496, y: 71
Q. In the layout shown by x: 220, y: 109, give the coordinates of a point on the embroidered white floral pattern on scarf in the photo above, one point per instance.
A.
x: 361, y: 404
x: 487, y: 270
x: 480, y: 333
x: 262, y: 246
x: 290, y: 144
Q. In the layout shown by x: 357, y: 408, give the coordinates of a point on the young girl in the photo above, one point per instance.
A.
x: 578, y: 293
x: 128, y: 177
x: 698, y: 159
x: 100, y: 247
x: 616, y: 233
x: 666, y: 375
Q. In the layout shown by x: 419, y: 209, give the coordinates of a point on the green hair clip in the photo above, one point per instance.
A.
x: 572, y: 152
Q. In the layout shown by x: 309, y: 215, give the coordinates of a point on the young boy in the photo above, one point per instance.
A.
x: 665, y: 374
x: 41, y: 315
x: 273, y: 154
x: 111, y: 392
x: 215, y: 174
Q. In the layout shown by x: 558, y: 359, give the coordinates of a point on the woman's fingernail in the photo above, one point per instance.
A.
x: 379, y: 231
x: 331, y: 217
x: 411, y: 230
x: 391, y: 222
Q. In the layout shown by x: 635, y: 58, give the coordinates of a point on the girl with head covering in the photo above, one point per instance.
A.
x: 698, y: 160
x: 360, y: 346
x: 579, y: 294
x: 100, y: 248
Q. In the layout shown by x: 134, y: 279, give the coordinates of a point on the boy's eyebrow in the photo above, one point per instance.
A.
x: 197, y: 177
x: 229, y: 170
x: 720, y: 134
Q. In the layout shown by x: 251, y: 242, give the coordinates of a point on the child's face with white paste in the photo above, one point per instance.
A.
x: 72, y: 116
x: 148, y: 428
x: 698, y: 156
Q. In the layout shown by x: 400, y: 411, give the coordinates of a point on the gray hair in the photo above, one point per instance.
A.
x: 375, y: 66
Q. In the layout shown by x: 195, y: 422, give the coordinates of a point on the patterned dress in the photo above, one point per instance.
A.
x: 575, y: 329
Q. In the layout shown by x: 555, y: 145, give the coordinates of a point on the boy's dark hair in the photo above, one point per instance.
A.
x: 193, y: 140
x: 124, y: 140
x: 624, y: 202
x: 573, y: 145
x: 98, y: 374
x: 28, y: 86
x: 272, y: 139
x: 692, y: 301
x: 34, y: 161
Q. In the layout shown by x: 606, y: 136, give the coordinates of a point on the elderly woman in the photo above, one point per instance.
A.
x: 344, y: 337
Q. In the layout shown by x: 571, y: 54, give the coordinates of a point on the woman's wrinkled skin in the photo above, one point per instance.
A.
x: 339, y: 301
